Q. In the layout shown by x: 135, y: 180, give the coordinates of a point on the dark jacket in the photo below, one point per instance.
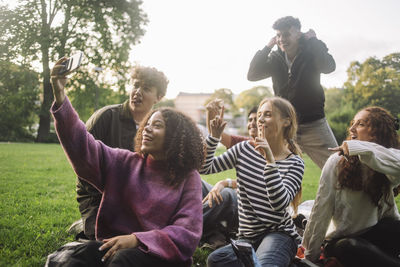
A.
x: 301, y: 84
x: 115, y: 127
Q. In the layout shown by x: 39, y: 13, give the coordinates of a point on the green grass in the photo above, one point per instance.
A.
x: 37, y: 196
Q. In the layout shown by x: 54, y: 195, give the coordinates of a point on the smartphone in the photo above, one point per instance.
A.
x: 72, y: 63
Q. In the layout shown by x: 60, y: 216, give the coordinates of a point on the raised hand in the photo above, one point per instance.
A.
x: 118, y: 242
x: 58, y: 81
x: 261, y: 144
x: 343, y: 150
x: 272, y: 42
x: 213, y: 108
x: 217, y: 125
x: 310, y: 34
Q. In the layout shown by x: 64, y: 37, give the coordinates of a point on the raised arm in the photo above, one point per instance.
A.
x: 86, y: 155
x: 377, y: 157
x: 261, y: 64
x: 322, y: 59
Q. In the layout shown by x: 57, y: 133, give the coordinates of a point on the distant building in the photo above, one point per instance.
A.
x: 192, y: 104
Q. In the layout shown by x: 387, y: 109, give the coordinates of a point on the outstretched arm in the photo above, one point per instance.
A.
x: 87, y: 156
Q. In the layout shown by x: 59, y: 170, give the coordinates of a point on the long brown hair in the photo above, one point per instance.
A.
x: 383, y: 131
x: 287, y: 111
x: 183, y: 144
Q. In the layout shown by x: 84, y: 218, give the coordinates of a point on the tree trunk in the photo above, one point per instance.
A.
x: 44, y: 115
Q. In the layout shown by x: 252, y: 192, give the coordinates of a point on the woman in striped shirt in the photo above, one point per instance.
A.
x: 269, y: 173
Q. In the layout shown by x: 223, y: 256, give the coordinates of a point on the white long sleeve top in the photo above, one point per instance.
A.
x: 350, y: 211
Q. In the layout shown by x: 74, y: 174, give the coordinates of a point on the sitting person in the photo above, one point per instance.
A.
x: 116, y: 126
x: 355, y: 193
x: 150, y: 213
x: 220, y: 201
x: 269, y: 175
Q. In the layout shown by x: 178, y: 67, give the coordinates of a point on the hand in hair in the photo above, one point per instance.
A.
x: 310, y: 34
x: 272, y: 42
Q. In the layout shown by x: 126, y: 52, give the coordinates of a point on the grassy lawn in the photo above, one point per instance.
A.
x: 37, y: 196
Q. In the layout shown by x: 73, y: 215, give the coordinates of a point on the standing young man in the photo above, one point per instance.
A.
x: 115, y: 126
x: 295, y: 68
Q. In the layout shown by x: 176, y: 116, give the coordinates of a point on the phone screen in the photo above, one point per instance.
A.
x: 72, y: 63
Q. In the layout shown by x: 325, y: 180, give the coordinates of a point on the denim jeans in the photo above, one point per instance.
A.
x: 273, y: 249
x: 314, y: 139
x: 227, y: 211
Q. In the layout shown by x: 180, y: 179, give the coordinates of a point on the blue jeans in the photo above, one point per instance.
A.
x: 273, y: 249
x: 227, y: 211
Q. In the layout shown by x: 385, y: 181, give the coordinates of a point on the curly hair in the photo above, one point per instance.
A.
x: 383, y: 131
x: 286, y: 22
x: 183, y: 144
x: 149, y: 77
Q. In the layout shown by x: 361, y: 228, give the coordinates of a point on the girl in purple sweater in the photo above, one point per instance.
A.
x: 151, y: 211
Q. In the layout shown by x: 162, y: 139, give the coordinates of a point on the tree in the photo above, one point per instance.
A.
x: 19, y: 88
x: 252, y: 97
x: 339, y: 112
x: 227, y: 96
x: 375, y: 82
x: 44, y: 30
x: 165, y: 103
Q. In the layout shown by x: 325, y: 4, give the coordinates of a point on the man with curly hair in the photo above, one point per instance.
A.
x: 116, y: 126
x: 295, y: 68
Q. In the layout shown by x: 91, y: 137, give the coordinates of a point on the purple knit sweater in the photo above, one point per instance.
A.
x: 167, y: 221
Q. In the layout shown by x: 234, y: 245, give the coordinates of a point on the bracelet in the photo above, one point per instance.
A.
x: 229, y: 180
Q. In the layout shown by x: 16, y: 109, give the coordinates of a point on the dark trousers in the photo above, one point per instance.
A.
x: 226, y: 211
x: 89, y: 255
x: 379, y: 246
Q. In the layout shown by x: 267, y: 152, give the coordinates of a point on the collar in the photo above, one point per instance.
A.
x: 126, y: 112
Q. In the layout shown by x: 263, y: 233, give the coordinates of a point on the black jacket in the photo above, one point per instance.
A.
x: 301, y: 84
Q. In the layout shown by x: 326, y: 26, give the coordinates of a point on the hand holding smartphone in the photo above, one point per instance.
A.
x: 72, y: 63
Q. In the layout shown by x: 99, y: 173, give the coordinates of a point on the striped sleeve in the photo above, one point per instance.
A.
x: 221, y: 163
x: 282, y: 186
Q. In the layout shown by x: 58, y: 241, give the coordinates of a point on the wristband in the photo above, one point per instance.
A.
x: 229, y: 180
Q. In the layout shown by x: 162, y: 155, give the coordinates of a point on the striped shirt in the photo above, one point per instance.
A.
x: 265, y: 190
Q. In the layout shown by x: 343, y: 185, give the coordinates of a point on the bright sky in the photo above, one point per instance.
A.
x: 206, y: 45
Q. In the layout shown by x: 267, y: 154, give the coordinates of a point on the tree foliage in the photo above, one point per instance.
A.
x: 38, y: 32
x: 375, y: 82
x: 227, y: 96
x: 19, y: 87
x: 252, y: 97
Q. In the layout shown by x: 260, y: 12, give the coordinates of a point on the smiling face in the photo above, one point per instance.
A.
x: 288, y: 39
x: 252, y: 125
x: 270, y: 123
x: 142, y: 98
x: 360, y: 129
x: 154, y: 136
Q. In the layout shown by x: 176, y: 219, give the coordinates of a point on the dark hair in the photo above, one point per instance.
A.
x: 149, y: 77
x: 183, y: 144
x: 286, y: 22
x: 383, y: 131
x: 252, y: 110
